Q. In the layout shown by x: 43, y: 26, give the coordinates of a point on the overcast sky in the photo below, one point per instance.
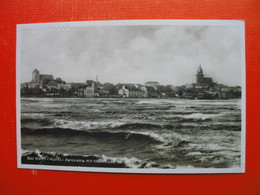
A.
x: 134, y: 54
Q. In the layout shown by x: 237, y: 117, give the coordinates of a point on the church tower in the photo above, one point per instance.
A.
x: 200, y: 76
x: 36, y: 76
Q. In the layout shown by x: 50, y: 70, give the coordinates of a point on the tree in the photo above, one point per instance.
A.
x: 46, y: 81
x: 113, y: 90
x: 36, y: 91
x: 25, y: 91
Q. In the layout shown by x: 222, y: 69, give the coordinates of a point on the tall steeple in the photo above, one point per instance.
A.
x: 36, y: 76
x: 200, y: 71
x: 200, y: 75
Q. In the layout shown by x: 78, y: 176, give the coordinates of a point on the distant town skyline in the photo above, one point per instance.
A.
x: 133, y: 54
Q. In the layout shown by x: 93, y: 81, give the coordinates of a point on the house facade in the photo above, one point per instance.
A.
x: 64, y: 86
x: 123, y: 92
x: 132, y: 90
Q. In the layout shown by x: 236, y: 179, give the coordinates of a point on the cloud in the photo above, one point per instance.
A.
x: 136, y: 54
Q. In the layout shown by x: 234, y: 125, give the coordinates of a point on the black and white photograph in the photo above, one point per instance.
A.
x: 137, y: 96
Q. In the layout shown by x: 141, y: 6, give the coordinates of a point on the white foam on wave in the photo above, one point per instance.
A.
x: 194, y: 154
x: 216, y: 102
x: 85, y: 125
x: 24, y: 151
x: 38, y: 99
x: 162, y: 137
x: 154, y: 135
x: 94, y: 110
x: 211, y: 146
x: 206, y: 147
x: 148, y: 102
x: 114, y: 101
x: 130, y: 162
x: 34, y: 115
x: 200, y: 116
x: 160, y: 101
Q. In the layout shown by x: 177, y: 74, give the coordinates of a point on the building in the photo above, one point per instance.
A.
x: 52, y: 85
x: 145, y: 91
x: 87, y: 89
x: 104, y: 92
x: 41, y: 79
x: 130, y: 90
x: 81, y: 91
x: 135, y: 92
x: 90, y: 91
x: 91, y: 88
x: 64, y: 86
x: 152, y: 92
x: 36, y: 76
x: 203, y: 82
x: 226, y: 93
x: 123, y: 92
x: 151, y: 84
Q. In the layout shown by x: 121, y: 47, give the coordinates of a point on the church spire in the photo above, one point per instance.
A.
x: 200, y: 76
x: 200, y: 71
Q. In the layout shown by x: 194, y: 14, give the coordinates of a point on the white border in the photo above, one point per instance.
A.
x: 243, y: 98
x: 66, y: 25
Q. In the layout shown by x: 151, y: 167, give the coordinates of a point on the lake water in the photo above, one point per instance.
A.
x: 139, y: 133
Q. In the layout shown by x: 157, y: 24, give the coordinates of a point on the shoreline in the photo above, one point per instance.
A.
x: 126, y: 98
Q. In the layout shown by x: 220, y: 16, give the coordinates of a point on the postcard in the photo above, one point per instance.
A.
x: 132, y: 96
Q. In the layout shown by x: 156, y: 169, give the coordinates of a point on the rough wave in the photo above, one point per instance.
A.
x: 41, y: 122
x: 144, y: 126
x: 145, y: 136
x: 201, y: 116
x: 133, y: 133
